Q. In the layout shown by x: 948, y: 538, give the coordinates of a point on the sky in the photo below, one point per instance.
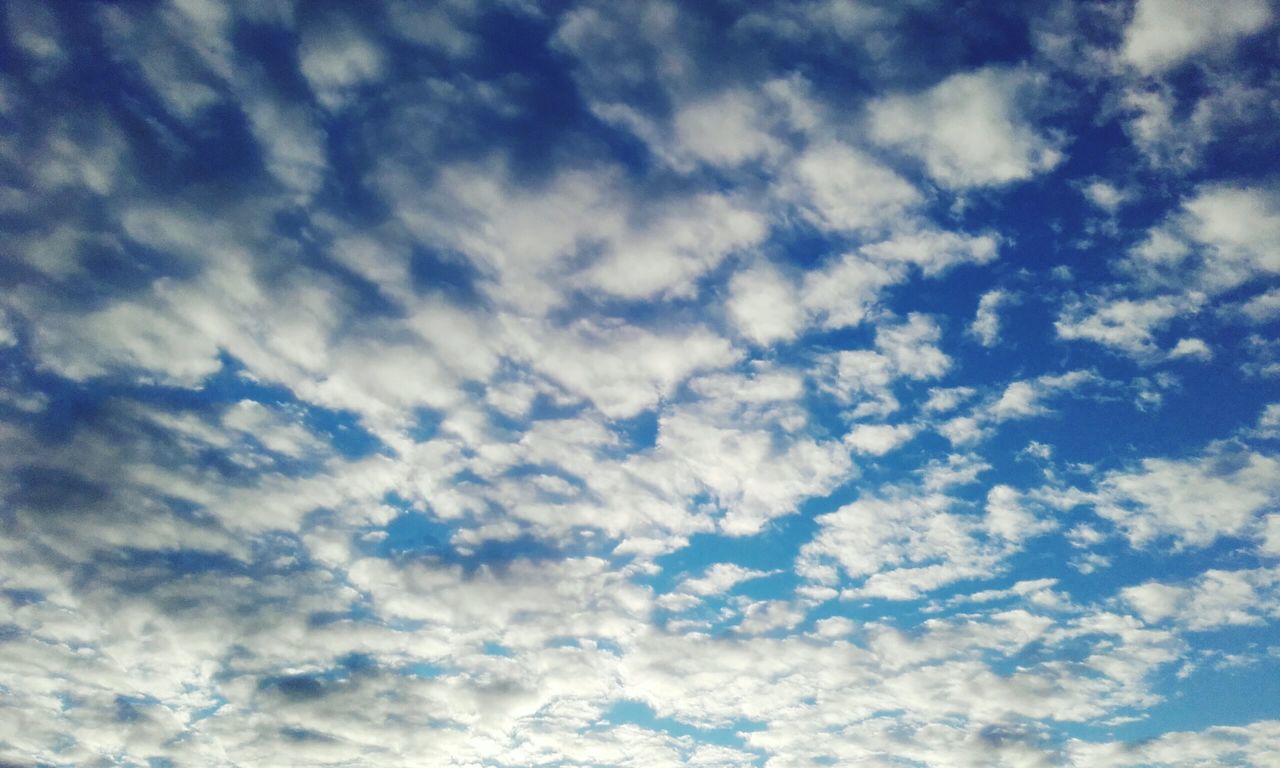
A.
x: 488, y: 383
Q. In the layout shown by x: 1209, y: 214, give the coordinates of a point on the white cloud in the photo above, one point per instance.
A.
x: 533, y: 246
x: 1271, y: 535
x: 567, y: 364
x: 1252, y: 744
x: 1008, y: 517
x: 128, y: 335
x: 719, y: 578
x: 1105, y: 195
x: 844, y: 292
x: 623, y: 369
x: 724, y: 130
x: 1223, y: 236
x: 8, y: 334
x: 35, y: 31
x: 843, y: 189
x: 934, y: 252
x: 1269, y: 421
x: 902, y: 546
x: 756, y: 464
x: 878, y: 439
x: 770, y: 615
x: 336, y: 58
x: 1194, y: 502
x: 763, y: 305
x: 970, y: 130
x: 1019, y: 400
x: 441, y: 26
x: 863, y: 378
x: 290, y: 139
x: 1128, y: 325
x: 946, y: 399
x: 273, y: 430
x: 1216, y: 598
x: 665, y: 254
x: 181, y: 51
x: 1173, y: 136
x: 1264, y: 307
x: 1195, y: 349
x: 1022, y: 398
x: 986, y: 322
x: 910, y: 347
x: 1164, y: 33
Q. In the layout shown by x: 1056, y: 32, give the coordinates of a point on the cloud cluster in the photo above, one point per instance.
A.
x: 515, y: 383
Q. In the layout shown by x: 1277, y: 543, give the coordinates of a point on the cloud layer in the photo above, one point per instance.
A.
x: 517, y: 383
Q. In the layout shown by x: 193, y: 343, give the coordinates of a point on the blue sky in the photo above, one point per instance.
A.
x: 639, y: 383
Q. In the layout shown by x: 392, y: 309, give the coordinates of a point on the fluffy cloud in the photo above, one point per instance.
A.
x: 844, y: 189
x: 512, y: 383
x: 1223, y: 236
x: 986, y: 323
x: 1164, y: 33
x: 1126, y: 324
x: 907, y: 543
x: 969, y: 130
x: 1020, y: 399
x: 1192, y: 502
x: 1215, y: 599
x: 878, y: 439
x: 763, y: 305
x: 336, y: 57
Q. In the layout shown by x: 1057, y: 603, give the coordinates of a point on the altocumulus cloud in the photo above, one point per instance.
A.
x: 639, y: 383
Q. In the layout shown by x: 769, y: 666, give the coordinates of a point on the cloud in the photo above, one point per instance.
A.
x: 1020, y: 399
x: 1127, y: 325
x: 718, y: 579
x: 128, y: 336
x: 336, y: 58
x: 878, y: 439
x: 863, y: 378
x: 844, y: 189
x: 1105, y: 195
x: 513, y: 383
x: 1173, y: 135
x: 910, y: 347
x: 1223, y: 236
x: 676, y: 247
x: 1263, y: 307
x: 624, y: 370
x: 533, y: 246
x: 1195, y: 349
x: 270, y: 429
x: 1249, y: 744
x: 1192, y: 502
x: 724, y: 130
x: 763, y: 305
x: 846, y: 291
x: 901, y: 546
x: 755, y: 462
x: 986, y: 323
x: 935, y: 252
x: 35, y: 32
x: 1164, y: 33
x: 942, y: 399
x: 1008, y: 518
x: 1215, y: 599
x: 969, y: 130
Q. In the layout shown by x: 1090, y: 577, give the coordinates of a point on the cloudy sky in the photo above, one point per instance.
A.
x: 636, y: 383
